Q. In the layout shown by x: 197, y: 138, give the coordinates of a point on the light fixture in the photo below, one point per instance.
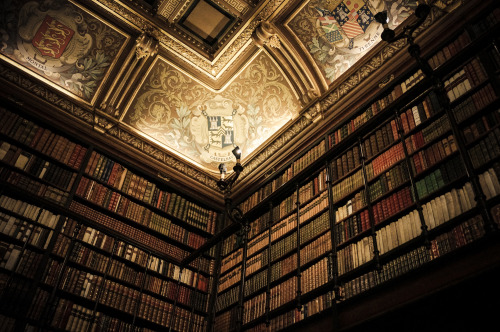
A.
x: 224, y: 184
x: 388, y: 35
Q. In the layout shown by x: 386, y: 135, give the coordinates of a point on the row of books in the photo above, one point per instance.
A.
x: 113, y: 294
x: 376, y: 107
x: 97, y: 262
x: 446, y: 173
x: 393, y: 204
x: 72, y: 317
x: 257, y: 262
x: 166, y: 314
x: 398, y: 232
x: 385, y: 160
x: 308, y: 158
x: 126, y: 230
x: 448, y: 206
x: 226, y: 299
x: 346, y: 163
x: 226, y: 321
x: 342, y: 132
x: 33, y: 187
x: 317, y: 226
x: 117, y: 176
x: 229, y: 279
x: 477, y: 101
x: 306, y: 192
x: 314, y: 276
x: 283, y: 293
x: 419, y: 113
x: 450, y: 50
x: 355, y: 254
x: 28, y: 211
x: 41, y: 139
x: 14, y: 258
x: 161, y: 286
x: 257, y: 243
x: 460, y: 235
x: 283, y: 267
x: 428, y: 134
x: 388, y: 181
x: 37, y: 166
x: 283, y: 246
x: 231, y: 260
x: 314, y: 207
x: 259, y: 224
x: 352, y: 226
x: 255, y: 282
x: 481, y: 126
x: 489, y: 181
x: 124, y: 252
x: 356, y: 203
x: 9, y: 255
x: 428, y: 157
x: 25, y: 231
x: 283, y: 227
x: 309, y: 309
x: 379, y: 140
x: 486, y: 149
x: 347, y: 185
x: 254, y: 308
x: 120, y: 204
x: 229, y: 244
x: 471, y: 75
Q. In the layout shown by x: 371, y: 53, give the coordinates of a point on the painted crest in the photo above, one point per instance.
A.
x: 331, y: 28
x: 220, y: 131
x: 352, y: 17
x: 218, y: 126
x: 52, y: 37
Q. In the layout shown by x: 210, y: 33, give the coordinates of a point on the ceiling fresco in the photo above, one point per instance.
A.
x: 205, y: 125
x: 188, y: 86
x: 337, y: 33
x: 61, y: 43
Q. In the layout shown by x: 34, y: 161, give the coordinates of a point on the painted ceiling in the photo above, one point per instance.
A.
x: 192, y: 79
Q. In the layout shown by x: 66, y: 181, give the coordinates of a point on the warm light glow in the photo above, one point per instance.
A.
x: 223, y: 170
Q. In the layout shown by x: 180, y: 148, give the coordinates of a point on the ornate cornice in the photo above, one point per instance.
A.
x: 102, y: 124
x: 184, y: 53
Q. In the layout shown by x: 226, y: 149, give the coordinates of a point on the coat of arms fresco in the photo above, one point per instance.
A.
x: 205, y: 125
x: 61, y: 42
x: 338, y: 33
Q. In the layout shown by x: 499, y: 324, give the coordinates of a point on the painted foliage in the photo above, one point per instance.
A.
x: 337, y: 33
x: 203, y: 125
x: 61, y: 42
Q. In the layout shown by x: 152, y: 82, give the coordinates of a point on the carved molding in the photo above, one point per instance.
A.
x: 103, y: 125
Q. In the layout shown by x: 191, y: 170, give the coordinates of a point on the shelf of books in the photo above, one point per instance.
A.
x: 88, y: 243
x: 411, y: 177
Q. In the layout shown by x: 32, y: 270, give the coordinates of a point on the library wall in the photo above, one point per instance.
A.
x: 89, y: 243
x: 408, y: 181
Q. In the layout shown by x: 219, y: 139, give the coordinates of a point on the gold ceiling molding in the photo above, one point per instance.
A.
x: 187, y: 55
x: 102, y: 125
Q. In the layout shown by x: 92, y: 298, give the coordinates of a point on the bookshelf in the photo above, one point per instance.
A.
x: 90, y: 243
x: 406, y: 182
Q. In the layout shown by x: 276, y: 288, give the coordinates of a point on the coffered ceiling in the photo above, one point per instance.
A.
x: 183, y: 82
